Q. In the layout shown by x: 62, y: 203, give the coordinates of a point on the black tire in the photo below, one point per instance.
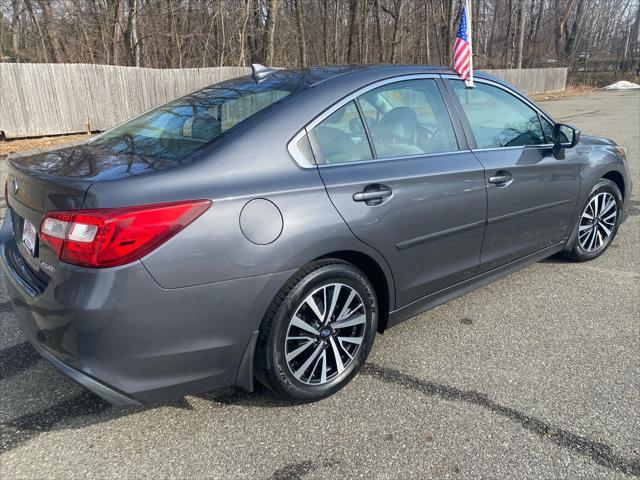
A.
x: 272, y: 368
x: 578, y: 253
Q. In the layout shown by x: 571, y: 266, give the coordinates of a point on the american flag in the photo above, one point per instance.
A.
x: 462, y: 48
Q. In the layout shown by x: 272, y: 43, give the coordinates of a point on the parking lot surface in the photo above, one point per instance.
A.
x: 534, y: 376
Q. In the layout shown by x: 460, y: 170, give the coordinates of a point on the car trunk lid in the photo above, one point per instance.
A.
x: 30, y: 195
x: 43, y: 181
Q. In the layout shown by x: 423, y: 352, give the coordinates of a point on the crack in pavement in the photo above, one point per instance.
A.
x: 293, y: 471
x: 296, y: 471
x: 600, y: 453
x: 573, y: 116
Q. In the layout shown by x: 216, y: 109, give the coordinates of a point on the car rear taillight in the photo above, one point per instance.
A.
x: 115, y: 236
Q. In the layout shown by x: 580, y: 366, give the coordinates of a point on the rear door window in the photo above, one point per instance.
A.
x: 341, y: 137
x: 408, y: 118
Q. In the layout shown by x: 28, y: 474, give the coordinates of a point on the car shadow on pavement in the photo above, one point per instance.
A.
x: 17, y: 358
x: 557, y: 258
x: 85, y: 408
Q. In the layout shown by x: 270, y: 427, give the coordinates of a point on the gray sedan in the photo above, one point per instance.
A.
x: 268, y: 226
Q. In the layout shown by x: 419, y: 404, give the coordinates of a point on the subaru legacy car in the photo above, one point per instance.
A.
x: 267, y: 227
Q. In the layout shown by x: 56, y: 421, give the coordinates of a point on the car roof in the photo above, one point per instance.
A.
x: 304, y: 78
x: 331, y: 71
x: 315, y: 75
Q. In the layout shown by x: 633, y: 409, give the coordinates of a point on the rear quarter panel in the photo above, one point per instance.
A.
x: 243, y: 166
x: 214, y: 247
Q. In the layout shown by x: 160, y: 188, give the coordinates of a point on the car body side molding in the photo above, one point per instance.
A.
x: 454, y: 291
x: 444, y: 233
x: 526, y: 211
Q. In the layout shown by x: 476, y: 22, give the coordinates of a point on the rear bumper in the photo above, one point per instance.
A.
x: 122, y: 336
x: 108, y: 393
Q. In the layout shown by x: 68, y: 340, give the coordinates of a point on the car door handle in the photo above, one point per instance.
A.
x: 373, y: 194
x: 501, y: 178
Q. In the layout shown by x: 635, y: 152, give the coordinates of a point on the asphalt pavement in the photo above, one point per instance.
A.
x: 534, y: 376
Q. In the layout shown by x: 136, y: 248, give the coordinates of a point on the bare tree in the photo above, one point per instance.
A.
x: 378, y: 24
x: 269, y: 32
x: 396, y: 14
x: 45, y: 50
x: 598, y: 35
x: 16, y: 11
x: 575, y: 30
x: 352, y: 55
x: 50, y: 31
x: 116, y: 23
x: 450, y: 26
x: 243, y: 37
x: 131, y: 33
x: 521, y: 27
x: 301, y: 37
x: 562, y: 9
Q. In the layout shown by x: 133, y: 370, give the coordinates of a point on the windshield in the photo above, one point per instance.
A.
x: 179, y: 128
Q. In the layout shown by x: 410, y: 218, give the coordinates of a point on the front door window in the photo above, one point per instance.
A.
x: 497, y: 118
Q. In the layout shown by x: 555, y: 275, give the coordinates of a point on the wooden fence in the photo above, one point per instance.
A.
x: 534, y: 80
x: 50, y: 99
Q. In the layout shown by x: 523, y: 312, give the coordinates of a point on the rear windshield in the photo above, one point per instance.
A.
x: 179, y: 128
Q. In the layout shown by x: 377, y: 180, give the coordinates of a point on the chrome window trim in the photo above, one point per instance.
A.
x: 521, y: 147
x: 301, y: 161
x: 387, y: 159
x: 372, y: 86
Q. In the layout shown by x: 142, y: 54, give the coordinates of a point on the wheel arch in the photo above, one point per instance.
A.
x: 613, y: 176
x: 376, y: 274
x: 617, y: 178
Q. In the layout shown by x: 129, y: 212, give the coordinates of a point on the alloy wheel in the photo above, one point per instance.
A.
x: 597, y: 222
x: 325, y: 334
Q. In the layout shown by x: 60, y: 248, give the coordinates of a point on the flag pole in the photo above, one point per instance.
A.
x: 469, y: 82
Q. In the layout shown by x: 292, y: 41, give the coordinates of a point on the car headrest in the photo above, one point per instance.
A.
x: 336, y: 146
x: 400, y: 124
x: 333, y: 140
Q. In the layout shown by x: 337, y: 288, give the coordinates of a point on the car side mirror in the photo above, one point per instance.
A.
x: 564, y: 136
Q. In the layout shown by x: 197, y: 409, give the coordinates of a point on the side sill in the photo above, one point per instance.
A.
x: 454, y: 291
